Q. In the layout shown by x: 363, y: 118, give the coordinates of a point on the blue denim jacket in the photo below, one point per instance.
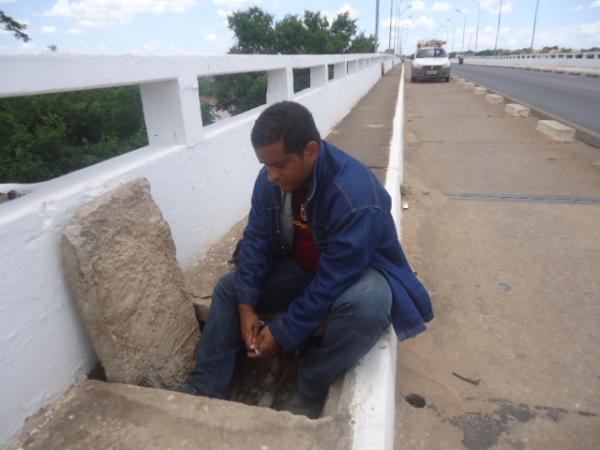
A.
x: 349, y: 214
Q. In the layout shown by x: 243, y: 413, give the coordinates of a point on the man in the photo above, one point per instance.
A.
x: 320, y: 245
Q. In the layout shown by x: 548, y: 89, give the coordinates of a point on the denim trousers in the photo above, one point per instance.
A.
x: 357, y: 319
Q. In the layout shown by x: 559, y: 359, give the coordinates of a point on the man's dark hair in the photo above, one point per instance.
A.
x: 289, y: 122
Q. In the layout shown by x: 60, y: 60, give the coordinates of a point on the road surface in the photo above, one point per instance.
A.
x: 573, y: 98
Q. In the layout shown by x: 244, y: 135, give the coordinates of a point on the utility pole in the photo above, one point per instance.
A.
x: 462, y: 48
x: 376, y: 26
x: 477, y: 29
x: 453, y: 30
x: 498, y: 29
x: 391, y: 23
x: 537, y: 3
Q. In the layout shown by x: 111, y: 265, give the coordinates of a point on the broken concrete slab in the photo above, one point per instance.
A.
x: 119, y: 259
x: 468, y: 85
x: 479, y: 90
x: 516, y: 110
x: 495, y: 99
x: 103, y: 415
x: 556, y: 130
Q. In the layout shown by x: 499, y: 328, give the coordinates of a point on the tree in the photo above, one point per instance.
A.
x: 45, y: 136
x: 256, y: 31
x: 16, y: 28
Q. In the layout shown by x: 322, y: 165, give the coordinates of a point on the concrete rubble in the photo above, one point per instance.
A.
x: 119, y: 260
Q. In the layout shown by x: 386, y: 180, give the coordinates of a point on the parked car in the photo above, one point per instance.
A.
x: 430, y: 61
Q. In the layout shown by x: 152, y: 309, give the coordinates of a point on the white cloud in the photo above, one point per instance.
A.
x: 491, y: 6
x: 418, y: 5
x: 353, y: 12
x: 577, y: 8
x: 97, y: 13
x: 210, y: 37
x: 595, y: 4
x: 6, y: 1
x: 49, y: 29
x: 425, y: 22
x: 441, y: 7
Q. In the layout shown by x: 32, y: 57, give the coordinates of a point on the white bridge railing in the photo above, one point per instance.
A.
x: 201, y: 177
x: 574, y: 60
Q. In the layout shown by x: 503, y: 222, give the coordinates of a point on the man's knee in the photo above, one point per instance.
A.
x: 224, y: 294
x: 366, y: 305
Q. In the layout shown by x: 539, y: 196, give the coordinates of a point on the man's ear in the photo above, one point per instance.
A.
x: 312, y: 150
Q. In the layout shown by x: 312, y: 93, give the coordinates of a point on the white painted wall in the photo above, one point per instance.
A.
x: 201, y: 179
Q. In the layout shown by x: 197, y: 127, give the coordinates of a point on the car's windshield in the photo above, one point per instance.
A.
x: 431, y: 53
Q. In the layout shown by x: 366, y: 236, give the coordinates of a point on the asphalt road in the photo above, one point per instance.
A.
x: 574, y: 98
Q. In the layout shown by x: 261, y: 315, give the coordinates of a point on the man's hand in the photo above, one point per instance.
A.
x: 266, y: 344
x: 249, y: 326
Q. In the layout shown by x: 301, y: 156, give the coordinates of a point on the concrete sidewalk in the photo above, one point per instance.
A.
x: 503, y: 229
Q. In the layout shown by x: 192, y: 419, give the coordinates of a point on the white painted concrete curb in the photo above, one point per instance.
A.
x: 373, y: 404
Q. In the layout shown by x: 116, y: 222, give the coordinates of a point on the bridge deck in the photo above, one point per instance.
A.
x: 511, y: 360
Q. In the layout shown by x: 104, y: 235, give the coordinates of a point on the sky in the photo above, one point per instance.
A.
x: 200, y: 26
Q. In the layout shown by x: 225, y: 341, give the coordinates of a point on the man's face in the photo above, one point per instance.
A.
x: 289, y: 171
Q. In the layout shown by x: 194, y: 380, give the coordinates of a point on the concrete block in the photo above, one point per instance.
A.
x: 556, y: 130
x: 99, y: 415
x: 516, y: 110
x: 119, y: 258
x: 494, y: 98
x: 479, y: 90
x: 468, y: 85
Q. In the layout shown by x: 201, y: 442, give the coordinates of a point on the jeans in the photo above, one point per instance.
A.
x: 356, y: 321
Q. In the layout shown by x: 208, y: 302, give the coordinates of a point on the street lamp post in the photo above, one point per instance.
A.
x: 498, y: 29
x: 376, y: 26
x: 402, y: 41
x: 453, y: 30
x: 391, y: 23
x: 477, y: 29
x: 537, y: 3
x: 400, y: 26
x: 462, y: 48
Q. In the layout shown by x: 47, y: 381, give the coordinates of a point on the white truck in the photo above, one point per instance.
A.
x: 430, y: 61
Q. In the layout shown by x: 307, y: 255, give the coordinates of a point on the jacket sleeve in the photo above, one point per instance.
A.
x: 255, y: 251
x: 344, y: 257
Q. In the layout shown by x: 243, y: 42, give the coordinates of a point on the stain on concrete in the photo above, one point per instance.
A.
x: 506, y: 286
x: 482, y: 430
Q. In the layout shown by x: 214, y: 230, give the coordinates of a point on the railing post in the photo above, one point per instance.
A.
x: 172, y: 111
x: 280, y: 85
x: 318, y: 76
x: 352, y: 67
x: 339, y: 71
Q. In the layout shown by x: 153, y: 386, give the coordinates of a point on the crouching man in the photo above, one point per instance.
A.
x: 320, y: 245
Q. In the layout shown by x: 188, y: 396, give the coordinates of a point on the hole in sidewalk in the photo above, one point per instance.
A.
x: 416, y: 400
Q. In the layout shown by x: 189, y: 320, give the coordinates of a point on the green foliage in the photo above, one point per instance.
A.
x: 45, y: 136
x: 254, y: 31
x: 257, y: 32
x: 16, y: 28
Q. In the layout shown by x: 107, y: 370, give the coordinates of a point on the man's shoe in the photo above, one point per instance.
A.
x: 304, y: 406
